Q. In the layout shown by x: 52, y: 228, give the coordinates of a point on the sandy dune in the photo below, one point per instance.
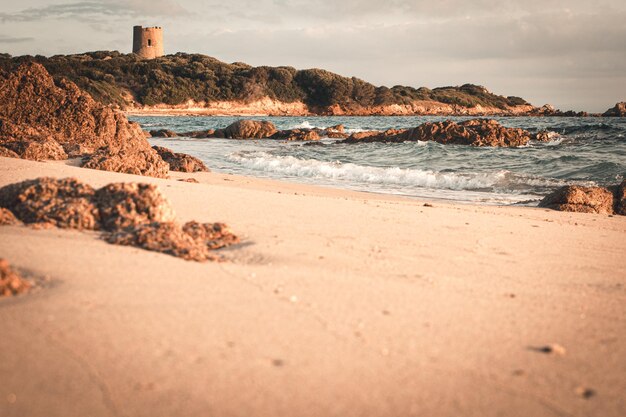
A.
x: 336, y: 303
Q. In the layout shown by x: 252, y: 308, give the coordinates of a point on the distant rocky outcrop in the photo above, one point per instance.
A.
x: 550, y: 111
x: 475, y: 132
x: 128, y: 213
x: 599, y: 200
x: 619, y: 110
x: 163, y: 133
x: 43, y: 119
x: 180, y: 162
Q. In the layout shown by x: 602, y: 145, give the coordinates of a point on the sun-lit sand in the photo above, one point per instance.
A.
x: 336, y: 303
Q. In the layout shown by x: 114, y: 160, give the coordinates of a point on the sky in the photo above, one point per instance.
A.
x: 571, y: 54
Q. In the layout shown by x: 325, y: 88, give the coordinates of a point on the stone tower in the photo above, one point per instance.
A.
x: 148, y: 42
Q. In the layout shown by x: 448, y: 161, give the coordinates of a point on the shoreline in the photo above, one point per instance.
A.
x: 376, y: 303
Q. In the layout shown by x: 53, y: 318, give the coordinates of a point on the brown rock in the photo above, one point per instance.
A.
x: 7, y: 153
x: 7, y: 218
x: 166, y: 237
x: 180, y: 162
x: 199, y: 134
x: 580, y: 199
x: 247, y: 129
x: 297, y: 135
x: 10, y: 282
x: 65, y: 203
x: 213, y: 235
x: 126, y: 205
x: 35, y: 108
x: 39, y: 148
x: 619, y: 110
x: 138, y: 162
x: 475, y: 132
x: 193, y: 180
x: 163, y: 133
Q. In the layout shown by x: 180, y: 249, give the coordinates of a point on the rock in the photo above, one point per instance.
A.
x: 7, y: 153
x: 192, y: 180
x: 35, y: 108
x: 213, y: 235
x: 199, y: 134
x: 138, y: 162
x: 7, y: 218
x: 37, y: 149
x: 180, y: 162
x: 475, y: 132
x: 126, y: 205
x: 546, y: 136
x: 620, y: 198
x: 163, y: 133
x: 10, y: 282
x: 336, y: 128
x: 297, y: 135
x: 619, y: 110
x: 163, y: 237
x: 65, y: 203
x: 579, y: 199
x: 247, y: 129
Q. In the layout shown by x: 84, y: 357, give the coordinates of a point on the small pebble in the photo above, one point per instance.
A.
x: 551, y: 349
x: 585, y: 392
x: 428, y: 205
x: 278, y: 362
x: 11, y: 398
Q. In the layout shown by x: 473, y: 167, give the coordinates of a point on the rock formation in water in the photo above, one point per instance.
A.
x: 619, y: 110
x: 180, y: 162
x: 42, y: 119
x: 247, y: 129
x: 11, y: 283
x: 599, y: 200
x: 128, y: 213
x: 475, y: 132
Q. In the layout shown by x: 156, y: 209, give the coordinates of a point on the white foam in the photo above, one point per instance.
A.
x: 294, y: 167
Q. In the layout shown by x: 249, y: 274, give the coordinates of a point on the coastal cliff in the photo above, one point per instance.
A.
x: 199, y: 84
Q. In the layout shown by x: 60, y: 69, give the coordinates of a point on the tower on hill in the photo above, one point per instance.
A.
x: 148, y: 42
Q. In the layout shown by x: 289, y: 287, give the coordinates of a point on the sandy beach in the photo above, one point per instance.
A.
x: 336, y: 303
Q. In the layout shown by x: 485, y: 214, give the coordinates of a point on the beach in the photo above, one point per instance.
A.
x: 335, y: 303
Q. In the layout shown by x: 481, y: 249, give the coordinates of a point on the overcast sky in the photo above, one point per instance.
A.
x: 568, y: 53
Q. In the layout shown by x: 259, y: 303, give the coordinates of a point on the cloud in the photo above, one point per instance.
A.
x: 11, y: 39
x: 94, y: 11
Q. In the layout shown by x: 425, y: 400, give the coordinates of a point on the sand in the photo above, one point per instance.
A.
x: 336, y: 303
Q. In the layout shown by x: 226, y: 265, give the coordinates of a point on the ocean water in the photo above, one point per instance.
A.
x: 586, y: 151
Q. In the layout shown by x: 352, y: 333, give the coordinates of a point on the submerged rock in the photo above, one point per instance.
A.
x: 247, y: 129
x: 199, y: 134
x: 180, y: 162
x: 11, y: 283
x: 579, y: 199
x: 65, y: 203
x: 475, y: 132
x: 163, y: 133
x: 297, y: 135
x: 619, y: 110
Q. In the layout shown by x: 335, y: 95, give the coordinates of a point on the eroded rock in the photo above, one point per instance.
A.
x: 64, y: 203
x: 138, y: 162
x: 181, y: 162
x: 247, y: 129
x: 297, y: 135
x: 7, y: 218
x: 213, y: 235
x: 579, y: 199
x: 619, y: 110
x: 126, y: 205
x: 163, y: 133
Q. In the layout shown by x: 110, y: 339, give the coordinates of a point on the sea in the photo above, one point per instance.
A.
x: 583, y: 151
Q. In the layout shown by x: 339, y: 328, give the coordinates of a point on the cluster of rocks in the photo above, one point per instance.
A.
x: 44, y: 119
x: 11, y: 283
x: 619, y: 110
x: 128, y: 214
x: 475, y: 132
x: 599, y: 200
x: 257, y: 129
x: 548, y: 110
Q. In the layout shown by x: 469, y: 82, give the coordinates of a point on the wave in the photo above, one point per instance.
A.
x: 500, y: 181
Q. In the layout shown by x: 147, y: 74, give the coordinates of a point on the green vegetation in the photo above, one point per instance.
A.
x: 114, y: 78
